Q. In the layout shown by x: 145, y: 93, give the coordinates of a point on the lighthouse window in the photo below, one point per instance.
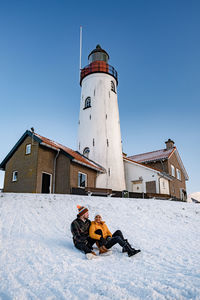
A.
x: 113, y: 86
x: 87, y: 102
x: 86, y: 151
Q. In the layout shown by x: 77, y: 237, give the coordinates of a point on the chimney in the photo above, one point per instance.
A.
x: 169, y: 144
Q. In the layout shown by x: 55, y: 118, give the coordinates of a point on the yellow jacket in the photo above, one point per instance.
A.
x: 105, y: 231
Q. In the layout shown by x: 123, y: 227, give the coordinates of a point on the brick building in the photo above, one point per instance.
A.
x: 169, y: 162
x: 39, y: 165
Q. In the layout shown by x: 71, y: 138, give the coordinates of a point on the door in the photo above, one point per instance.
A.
x: 46, y: 183
x: 151, y: 187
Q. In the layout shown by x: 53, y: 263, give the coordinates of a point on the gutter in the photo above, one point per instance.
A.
x: 54, y: 170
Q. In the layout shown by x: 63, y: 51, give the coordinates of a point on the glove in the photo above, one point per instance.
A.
x: 102, y: 241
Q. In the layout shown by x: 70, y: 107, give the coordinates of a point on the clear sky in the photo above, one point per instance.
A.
x: 154, y: 46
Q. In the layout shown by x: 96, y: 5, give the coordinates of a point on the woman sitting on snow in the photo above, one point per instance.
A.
x: 105, y: 239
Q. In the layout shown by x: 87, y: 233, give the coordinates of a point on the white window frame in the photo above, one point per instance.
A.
x: 173, y: 170
x: 28, y: 149
x: 178, y: 173
x: 86, y: 152
x: 14, y: 176
x: 85, y: 180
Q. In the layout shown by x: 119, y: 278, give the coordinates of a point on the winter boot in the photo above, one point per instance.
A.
x: 125, y: 249
x: 91, y: 255
x: 103, y: 250
x: 131, y: 251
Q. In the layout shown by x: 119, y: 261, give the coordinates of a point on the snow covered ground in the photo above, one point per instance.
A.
x: 39, y: 261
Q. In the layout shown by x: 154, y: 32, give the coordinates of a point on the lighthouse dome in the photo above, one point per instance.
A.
x: 98, y: 54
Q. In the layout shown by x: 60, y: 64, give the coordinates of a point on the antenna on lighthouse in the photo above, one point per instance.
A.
x: 80, y: 47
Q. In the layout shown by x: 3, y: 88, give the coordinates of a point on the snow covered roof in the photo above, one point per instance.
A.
x: 159, y: 155
x: 73, y: 155
x: 153, y: 156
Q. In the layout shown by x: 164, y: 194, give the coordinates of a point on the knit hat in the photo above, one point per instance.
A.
x: 81, y: 210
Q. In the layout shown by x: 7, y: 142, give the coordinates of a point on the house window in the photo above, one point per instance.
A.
x: 86, y: 152
x: 15, y: 176
x: 28, y: 149
x: 163, y: 184
x: 173, y: 170
x: 82, y: 180
x: 113, y: 86
x: 87, y: 102
x: 178, y: 172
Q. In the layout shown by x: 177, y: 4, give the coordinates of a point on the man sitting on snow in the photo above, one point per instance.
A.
x: 80, y: 231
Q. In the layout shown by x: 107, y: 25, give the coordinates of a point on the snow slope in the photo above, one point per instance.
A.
x: 39, y: 261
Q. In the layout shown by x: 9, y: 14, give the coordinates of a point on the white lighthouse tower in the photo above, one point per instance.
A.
x: 99, y: 136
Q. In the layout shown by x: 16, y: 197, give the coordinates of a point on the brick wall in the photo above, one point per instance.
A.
x: 45, y: 165
x: 91, y: 175
x: 176, y: 184
x: 26, y: 166
x: 62, y: 175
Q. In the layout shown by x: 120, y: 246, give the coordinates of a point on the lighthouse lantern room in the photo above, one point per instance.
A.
x: 99, y: 136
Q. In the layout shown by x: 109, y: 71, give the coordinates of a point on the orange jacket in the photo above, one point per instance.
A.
x: 105, y: 231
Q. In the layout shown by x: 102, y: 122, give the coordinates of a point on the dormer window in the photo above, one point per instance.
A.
x: 87, y: 102
x: 86, y: 152
x: 113, y: 86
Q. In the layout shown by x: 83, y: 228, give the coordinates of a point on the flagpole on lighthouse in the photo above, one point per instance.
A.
x: 80, y: 49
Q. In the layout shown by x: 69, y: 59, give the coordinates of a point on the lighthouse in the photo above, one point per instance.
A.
x: 99, y: 136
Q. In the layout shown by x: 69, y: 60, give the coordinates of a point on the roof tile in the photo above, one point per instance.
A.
x: 76, y: 155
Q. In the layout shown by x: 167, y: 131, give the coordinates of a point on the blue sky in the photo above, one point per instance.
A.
x: 154, y: 46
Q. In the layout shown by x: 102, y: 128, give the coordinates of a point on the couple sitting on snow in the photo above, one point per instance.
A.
x: 86, y: 233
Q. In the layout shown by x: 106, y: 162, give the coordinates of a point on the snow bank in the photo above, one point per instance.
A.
x: 39, y: 261
x: 194, y: 197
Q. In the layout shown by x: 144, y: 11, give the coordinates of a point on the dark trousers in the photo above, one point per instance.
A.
x: 117, y: 238
x: 85, y: 246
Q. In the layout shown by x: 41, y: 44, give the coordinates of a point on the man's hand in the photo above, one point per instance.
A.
x: 102, y: 241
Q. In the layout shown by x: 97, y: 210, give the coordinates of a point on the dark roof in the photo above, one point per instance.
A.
x: 73, y: 155
x: 98, y: 49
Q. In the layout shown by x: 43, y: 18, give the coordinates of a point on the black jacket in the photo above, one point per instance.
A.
x: 80, y: 230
